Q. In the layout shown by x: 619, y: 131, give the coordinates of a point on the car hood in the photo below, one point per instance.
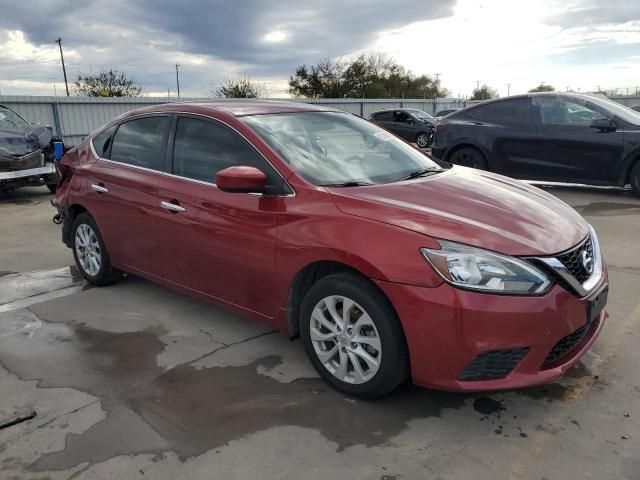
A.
x: 471, y: 207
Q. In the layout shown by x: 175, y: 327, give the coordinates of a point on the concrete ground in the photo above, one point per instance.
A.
x: 135, y: 381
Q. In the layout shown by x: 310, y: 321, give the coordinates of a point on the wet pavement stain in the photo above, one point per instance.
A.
x: 188, y: 410
x: 488, y: 406
x: 191, y: 411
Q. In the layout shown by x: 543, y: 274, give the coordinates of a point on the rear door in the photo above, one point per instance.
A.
x: 506, y: 130
x: 217, y: 243
x: 123, y: 190
x: 572, y: 151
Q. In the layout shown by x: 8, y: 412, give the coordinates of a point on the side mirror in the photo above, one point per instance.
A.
x: 604, y: 124
x: 241, y: 179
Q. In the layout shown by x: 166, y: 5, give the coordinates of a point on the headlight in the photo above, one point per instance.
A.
x: 477, y: 269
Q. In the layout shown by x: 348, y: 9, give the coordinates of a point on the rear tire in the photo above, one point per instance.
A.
x: 360, y: 348
x: 469, y: 157
x: 634, y: 179
x: 90, y: 253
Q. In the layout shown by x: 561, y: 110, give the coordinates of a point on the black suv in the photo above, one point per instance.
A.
x: 546, y: 137
x: 411, y: 124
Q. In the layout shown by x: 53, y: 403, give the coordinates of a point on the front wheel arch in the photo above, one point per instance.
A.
x: 460, y: 146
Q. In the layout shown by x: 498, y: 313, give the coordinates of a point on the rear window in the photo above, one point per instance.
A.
x: 383, y: 116
x: 141, y: 142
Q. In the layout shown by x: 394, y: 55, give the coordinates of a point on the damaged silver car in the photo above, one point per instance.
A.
x: 26, y: 153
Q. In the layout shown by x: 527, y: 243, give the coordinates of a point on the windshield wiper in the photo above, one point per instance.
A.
x: 351, y: 183
x: 419, y: 173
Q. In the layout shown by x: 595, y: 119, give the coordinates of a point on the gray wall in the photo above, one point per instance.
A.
x: 73, y: 118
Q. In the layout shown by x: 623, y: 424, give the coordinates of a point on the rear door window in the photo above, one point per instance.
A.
x: 516, y: 111
x: 141, y: 142
x: 383, y: 116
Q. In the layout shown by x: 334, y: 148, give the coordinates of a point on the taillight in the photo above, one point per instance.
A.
x: 66, y: 172
x: 439, y: 128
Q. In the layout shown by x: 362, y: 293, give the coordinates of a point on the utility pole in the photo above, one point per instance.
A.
x: 508, y: 89
x: 64, y: 70
x: 178, y: 80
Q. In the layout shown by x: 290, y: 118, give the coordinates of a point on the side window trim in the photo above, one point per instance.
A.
x: 164, y: 143
x: 287, y: 189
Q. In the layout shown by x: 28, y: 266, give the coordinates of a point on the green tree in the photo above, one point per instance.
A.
x: 374, y: 75
x: 106, y: 84
x: 241, y: 87
x: 542, y: 88
x: 483, y: 92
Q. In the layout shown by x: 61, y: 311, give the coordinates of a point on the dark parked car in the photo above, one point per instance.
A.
x: 636, y: 108
x: 411, y: 124
x: 326, y: 226
x: 26, y: 152
x: 546, y: 137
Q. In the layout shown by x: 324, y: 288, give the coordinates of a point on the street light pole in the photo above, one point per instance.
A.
x: 178, y: 80
x: 64, y: 70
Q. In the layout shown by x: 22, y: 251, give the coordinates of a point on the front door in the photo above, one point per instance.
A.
x: 217, y: 243
x: 123, y: 190
x: 570, y: 150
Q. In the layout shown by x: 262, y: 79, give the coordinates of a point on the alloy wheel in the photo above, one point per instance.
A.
x: 345, y: 339
x: 88, y: 249
x: 423, y: 140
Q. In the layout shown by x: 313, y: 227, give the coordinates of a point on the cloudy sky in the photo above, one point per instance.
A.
x: 580, y: 44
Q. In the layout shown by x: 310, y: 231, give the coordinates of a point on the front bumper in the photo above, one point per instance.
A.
x: 448, y: 328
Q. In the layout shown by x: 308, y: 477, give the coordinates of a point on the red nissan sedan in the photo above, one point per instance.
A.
x: 387, y: 263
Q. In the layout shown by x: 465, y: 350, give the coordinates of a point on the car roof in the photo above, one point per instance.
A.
x: 236, y: 108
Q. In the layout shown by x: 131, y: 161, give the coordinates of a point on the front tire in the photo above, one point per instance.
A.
x: 90, y: 253
x: 424, y: 140
x: 353, y: 337
x: 469, y: 157
x: 634, y: 179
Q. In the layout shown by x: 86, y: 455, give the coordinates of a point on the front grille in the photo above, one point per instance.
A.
x: 565, y: 345
x: 493, y: 364
x: 572, y: 260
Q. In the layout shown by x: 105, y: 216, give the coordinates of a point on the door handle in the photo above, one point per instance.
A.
x: 99, y: 188
x: 172, y: 207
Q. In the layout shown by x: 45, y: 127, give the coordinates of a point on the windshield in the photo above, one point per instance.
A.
x: 10, y: 119
x: 625, y: 113
x: 334, y: 148
x: 421, y: 115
